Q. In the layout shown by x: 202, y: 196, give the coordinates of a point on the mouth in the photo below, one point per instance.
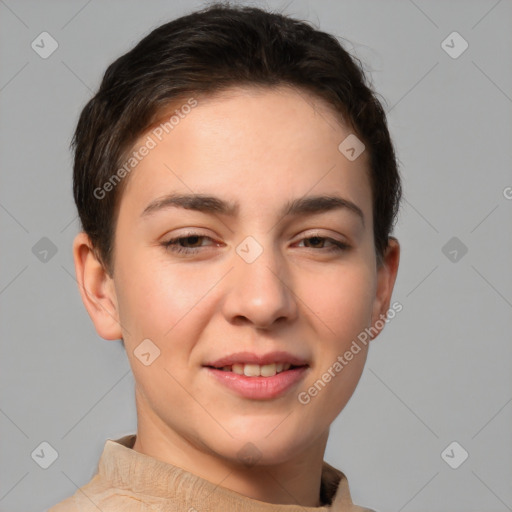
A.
x: 258, y: 377
x: 256, y: 370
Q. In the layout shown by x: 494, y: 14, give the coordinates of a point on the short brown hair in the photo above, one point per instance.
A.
x: 205, y: 52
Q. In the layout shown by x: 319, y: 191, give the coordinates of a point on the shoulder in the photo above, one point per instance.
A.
x: 98, y: 495
x: 113, y: 501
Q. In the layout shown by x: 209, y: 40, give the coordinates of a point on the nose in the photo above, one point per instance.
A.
x: 261, y: 292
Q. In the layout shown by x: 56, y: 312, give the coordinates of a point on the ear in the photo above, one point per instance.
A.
x: 386, y: 276
x: 96, y: 288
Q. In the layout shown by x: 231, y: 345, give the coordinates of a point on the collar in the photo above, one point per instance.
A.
x: 124, y: 468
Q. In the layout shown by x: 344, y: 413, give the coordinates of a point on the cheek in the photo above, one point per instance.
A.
x: 342, y: 300
x: 164, y: 302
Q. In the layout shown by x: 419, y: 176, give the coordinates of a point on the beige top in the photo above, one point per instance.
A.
x: 129, y: 481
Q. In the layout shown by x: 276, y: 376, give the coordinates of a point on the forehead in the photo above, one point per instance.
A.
x: 258, y: 143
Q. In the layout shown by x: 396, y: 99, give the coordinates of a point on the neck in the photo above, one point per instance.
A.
x: 296, y: 481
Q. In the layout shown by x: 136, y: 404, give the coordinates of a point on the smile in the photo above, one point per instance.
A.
x: 256, y: 370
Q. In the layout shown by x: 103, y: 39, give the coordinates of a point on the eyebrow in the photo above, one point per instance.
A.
x: 212, y: 204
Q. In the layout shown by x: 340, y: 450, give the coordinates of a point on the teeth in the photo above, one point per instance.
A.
x: 252, y: 370
x: 255, y: 370
x: 238, y: 368
x: 268, y: 370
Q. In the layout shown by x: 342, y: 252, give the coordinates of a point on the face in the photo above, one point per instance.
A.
x: 264, y: 271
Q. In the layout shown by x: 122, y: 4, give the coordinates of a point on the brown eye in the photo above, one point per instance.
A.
x: 318, y: 242
x: 188, y: 244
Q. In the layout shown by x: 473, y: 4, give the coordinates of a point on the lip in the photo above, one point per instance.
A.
x: 260, y: 388
x: 261, y: 359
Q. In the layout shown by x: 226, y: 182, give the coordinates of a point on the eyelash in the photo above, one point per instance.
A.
x: 172, y: 244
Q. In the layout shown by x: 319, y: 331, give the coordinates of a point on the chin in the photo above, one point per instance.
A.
x: 269, y: 443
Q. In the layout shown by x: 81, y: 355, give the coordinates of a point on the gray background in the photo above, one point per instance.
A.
x: 441, y: 370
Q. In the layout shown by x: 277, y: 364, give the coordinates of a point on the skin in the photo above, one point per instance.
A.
x: 260, y: 148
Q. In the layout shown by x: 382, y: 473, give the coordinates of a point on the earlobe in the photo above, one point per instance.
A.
x: 386, y: 277
x: 96, y: 289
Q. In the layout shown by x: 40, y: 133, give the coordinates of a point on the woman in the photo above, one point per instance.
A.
x: 237, y: 188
